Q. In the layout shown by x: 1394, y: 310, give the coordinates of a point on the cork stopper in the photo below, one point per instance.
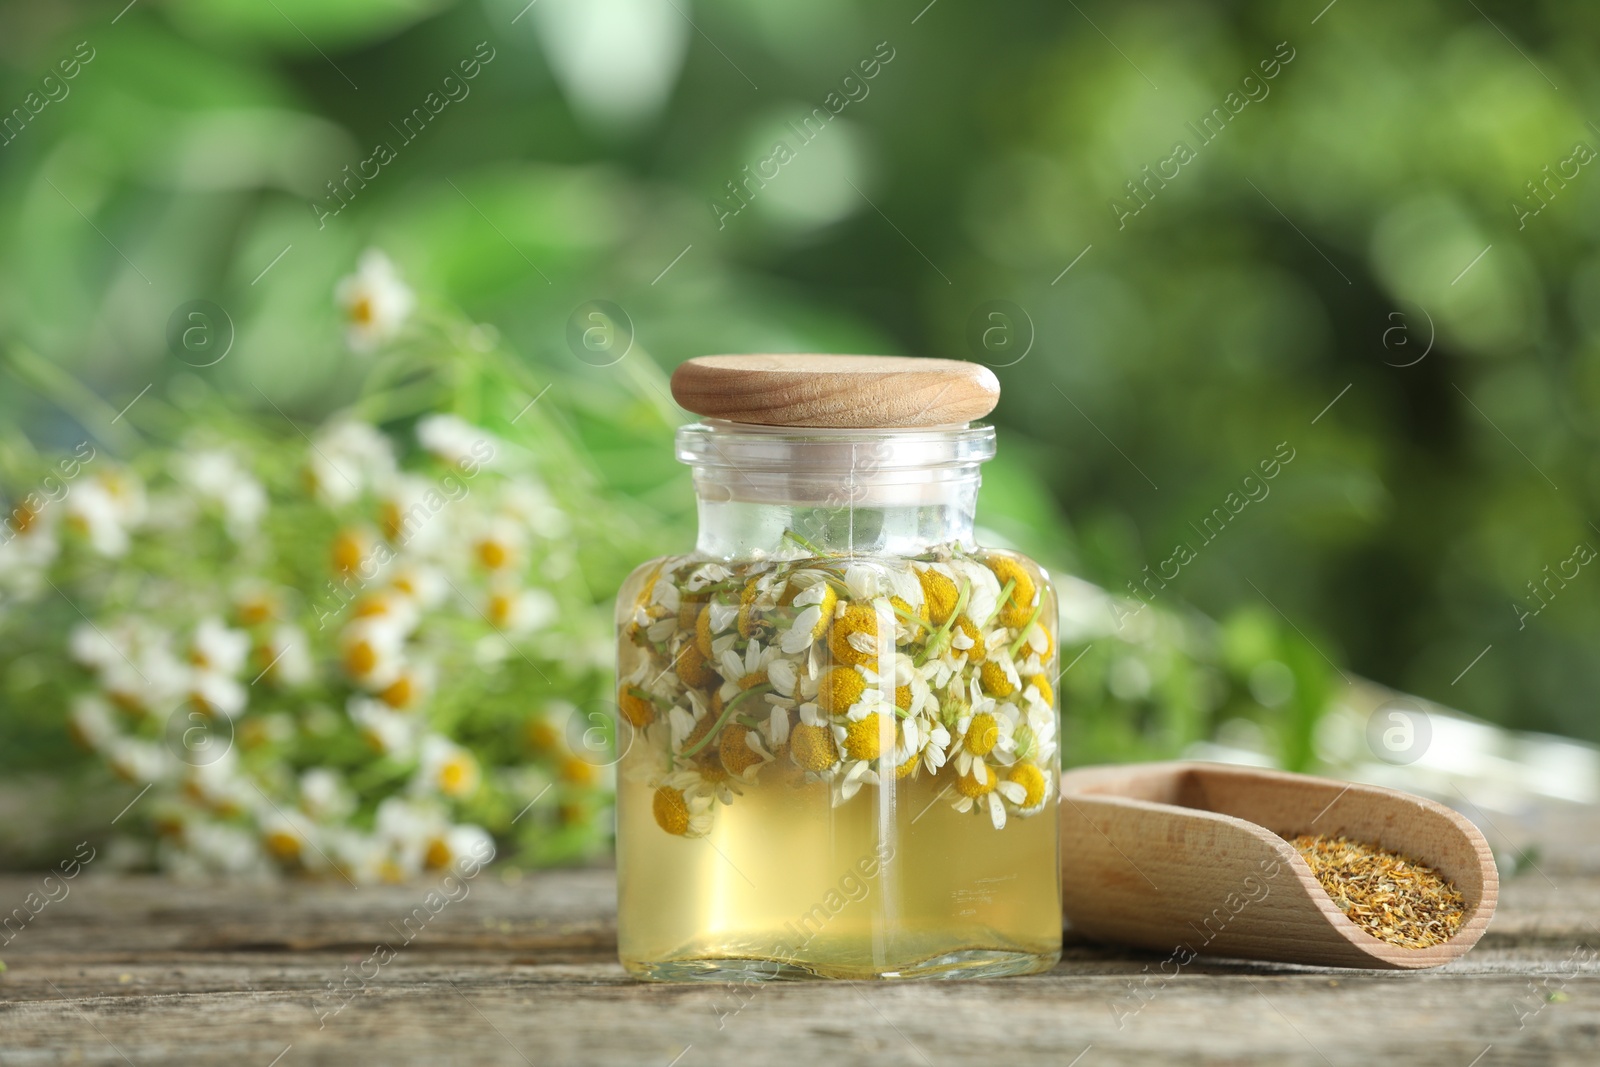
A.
x: 840, y: 392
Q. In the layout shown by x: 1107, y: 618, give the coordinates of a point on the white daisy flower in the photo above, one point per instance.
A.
x: 978, y: 790
x: 984, y: 598
x: 91, y: 723
x: 983, y: 732
x: 214, y: 647
x: 815, y: 604
x: 389, y: 732
x: 777, y: 728
x: 413, y: 513
x: 741, y: 673
x: 375, y: 302
x: 681, y: 805
x: 370, y: 651
x: 784, y: 674
x: 856, y: 774
x: 421, y: 583
x: 323, y: 795
x: 406, y: 829
x: 137, y: 761
x: 707, y: 574
x: 104, y: 518
x: 743, y: 751
x: 464, y: 842
x: 217, y: 693
x: 517, y: 611
x: 28, y: 545
x: 218, y: 478
x: 1027, y: 788
x: 865, y: 582
x: 346, y: 457
x: 284, y: 656
x: 220, y: 786
x: 457, y: 443
x: 921, y: 745
x: 447, y: 768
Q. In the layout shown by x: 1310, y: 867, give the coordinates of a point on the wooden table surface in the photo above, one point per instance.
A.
x: 140, y: 970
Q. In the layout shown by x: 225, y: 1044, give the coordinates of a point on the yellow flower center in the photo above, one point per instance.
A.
x: 254, y: 610
x: 362, y: 310
x: 493, y: 554
x: 360, y: 658
x: 689, y: 609
x: 1047, y: 692
x: 671, y: 810
x: 1018, y: 608
x: 1032, y: 780
x: 400, y: 692
x: 542, y: 736
x: 737, y: 755
x: 841, y: 687
x: 749, y: 622
x: 903, y: 610
x: 389, y: 515
x: 939, y: 595
x: 995, y: 680
x: 830, y: 601
x: 348, y: 548
x: 861, y: 739
x: 636, y: 709
x: 908, y: 766
x: 693, y: 668
x: 438, y: 853
x: 458, y: 775
x: 812, y: 747
x: 22, y: 518
x: 1036, y: 631
x: 969, y: 786
x: 970, y: 628
x: 577, y: 771
x: 284, y: 845
x: 983, y: 734
x: 902, y: 697
x: 857, y: 619
x: 501, y: 606
x: 755, y: 678
x: 705, y: 724
x: 702, y: 632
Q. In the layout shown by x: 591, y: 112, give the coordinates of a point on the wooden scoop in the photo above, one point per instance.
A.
x: 1191, y: 858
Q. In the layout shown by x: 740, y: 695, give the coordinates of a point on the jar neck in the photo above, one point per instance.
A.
x: 783, y: 493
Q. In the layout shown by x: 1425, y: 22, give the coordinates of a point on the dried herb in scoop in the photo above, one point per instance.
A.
x: 1391, y: 897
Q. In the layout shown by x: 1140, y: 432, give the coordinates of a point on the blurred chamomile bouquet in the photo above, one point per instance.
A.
x: 358, y: 652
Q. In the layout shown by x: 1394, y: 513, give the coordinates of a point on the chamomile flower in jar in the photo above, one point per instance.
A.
x: 838, y: 679
x: 375, y: 302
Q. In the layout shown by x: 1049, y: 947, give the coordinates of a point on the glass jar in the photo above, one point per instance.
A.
x: 839, y: 720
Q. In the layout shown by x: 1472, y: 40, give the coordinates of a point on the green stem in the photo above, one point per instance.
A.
x: 722, y: 720
x: 911, y: 616
x: 941, y: 635
x: 803, y: 543
x: 1022, y: 634
x: 659, y: 702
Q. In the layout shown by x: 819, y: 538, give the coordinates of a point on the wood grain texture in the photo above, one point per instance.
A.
x: 859, y: 392
x: 140, y: 970
x: 1192, y: 857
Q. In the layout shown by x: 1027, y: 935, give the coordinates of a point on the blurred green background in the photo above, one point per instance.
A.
x: 1376, y: 248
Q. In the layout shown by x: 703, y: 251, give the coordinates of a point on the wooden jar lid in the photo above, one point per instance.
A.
x: 845, y: 392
